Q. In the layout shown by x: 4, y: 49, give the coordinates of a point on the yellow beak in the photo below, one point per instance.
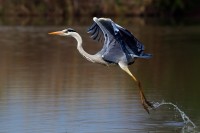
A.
x: 56, y: 33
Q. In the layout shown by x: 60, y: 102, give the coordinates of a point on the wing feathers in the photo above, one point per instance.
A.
x: 92, y: 27
x: 119, y: 43
x: 96, y: 33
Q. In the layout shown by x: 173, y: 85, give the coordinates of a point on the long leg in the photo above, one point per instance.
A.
x: 144, y: 101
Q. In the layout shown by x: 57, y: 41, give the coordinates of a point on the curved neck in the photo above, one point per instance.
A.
x: 78, y: 38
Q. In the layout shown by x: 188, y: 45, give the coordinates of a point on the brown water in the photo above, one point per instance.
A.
x: 47, y: 87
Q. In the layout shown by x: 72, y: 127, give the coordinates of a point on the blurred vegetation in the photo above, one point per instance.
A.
x: 98, y: 7
x: 71, y: 7
x: 176, y: 7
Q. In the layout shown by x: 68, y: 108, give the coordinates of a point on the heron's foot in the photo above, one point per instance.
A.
x: 147, y: 105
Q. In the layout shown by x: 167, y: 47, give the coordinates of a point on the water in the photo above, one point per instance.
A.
x: 185, y: 118
x: 47, y: 87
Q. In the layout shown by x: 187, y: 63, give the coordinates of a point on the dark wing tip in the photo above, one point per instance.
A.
x: 91, y: 28
x: 95, y: 31
x: 131, y: 41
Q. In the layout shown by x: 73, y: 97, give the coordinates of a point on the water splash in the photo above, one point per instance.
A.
x: 185, y: 118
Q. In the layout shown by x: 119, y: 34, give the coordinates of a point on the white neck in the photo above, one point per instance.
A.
x: 80, y: 48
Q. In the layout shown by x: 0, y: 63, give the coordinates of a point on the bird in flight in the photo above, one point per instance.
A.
x: 120, y: 47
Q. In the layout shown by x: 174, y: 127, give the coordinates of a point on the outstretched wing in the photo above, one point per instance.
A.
x: 100, y: 35
x: 119, y: 43
x: 96, y: 33
x: 131, y: 43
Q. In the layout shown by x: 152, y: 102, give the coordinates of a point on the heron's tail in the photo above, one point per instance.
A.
x: 142, y: 55
x: 145, y: 56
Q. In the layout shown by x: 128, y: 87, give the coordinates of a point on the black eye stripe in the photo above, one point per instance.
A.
x: 70, y: 30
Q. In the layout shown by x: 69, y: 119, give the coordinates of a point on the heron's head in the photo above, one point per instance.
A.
x: 65, y: 32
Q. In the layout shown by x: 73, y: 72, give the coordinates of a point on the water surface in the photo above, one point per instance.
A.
x: 47, y: 87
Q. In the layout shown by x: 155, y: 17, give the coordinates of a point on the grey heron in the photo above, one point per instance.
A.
x: 120, y: 47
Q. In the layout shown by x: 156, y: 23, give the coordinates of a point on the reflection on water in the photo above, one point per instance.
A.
x: 47, y: 87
